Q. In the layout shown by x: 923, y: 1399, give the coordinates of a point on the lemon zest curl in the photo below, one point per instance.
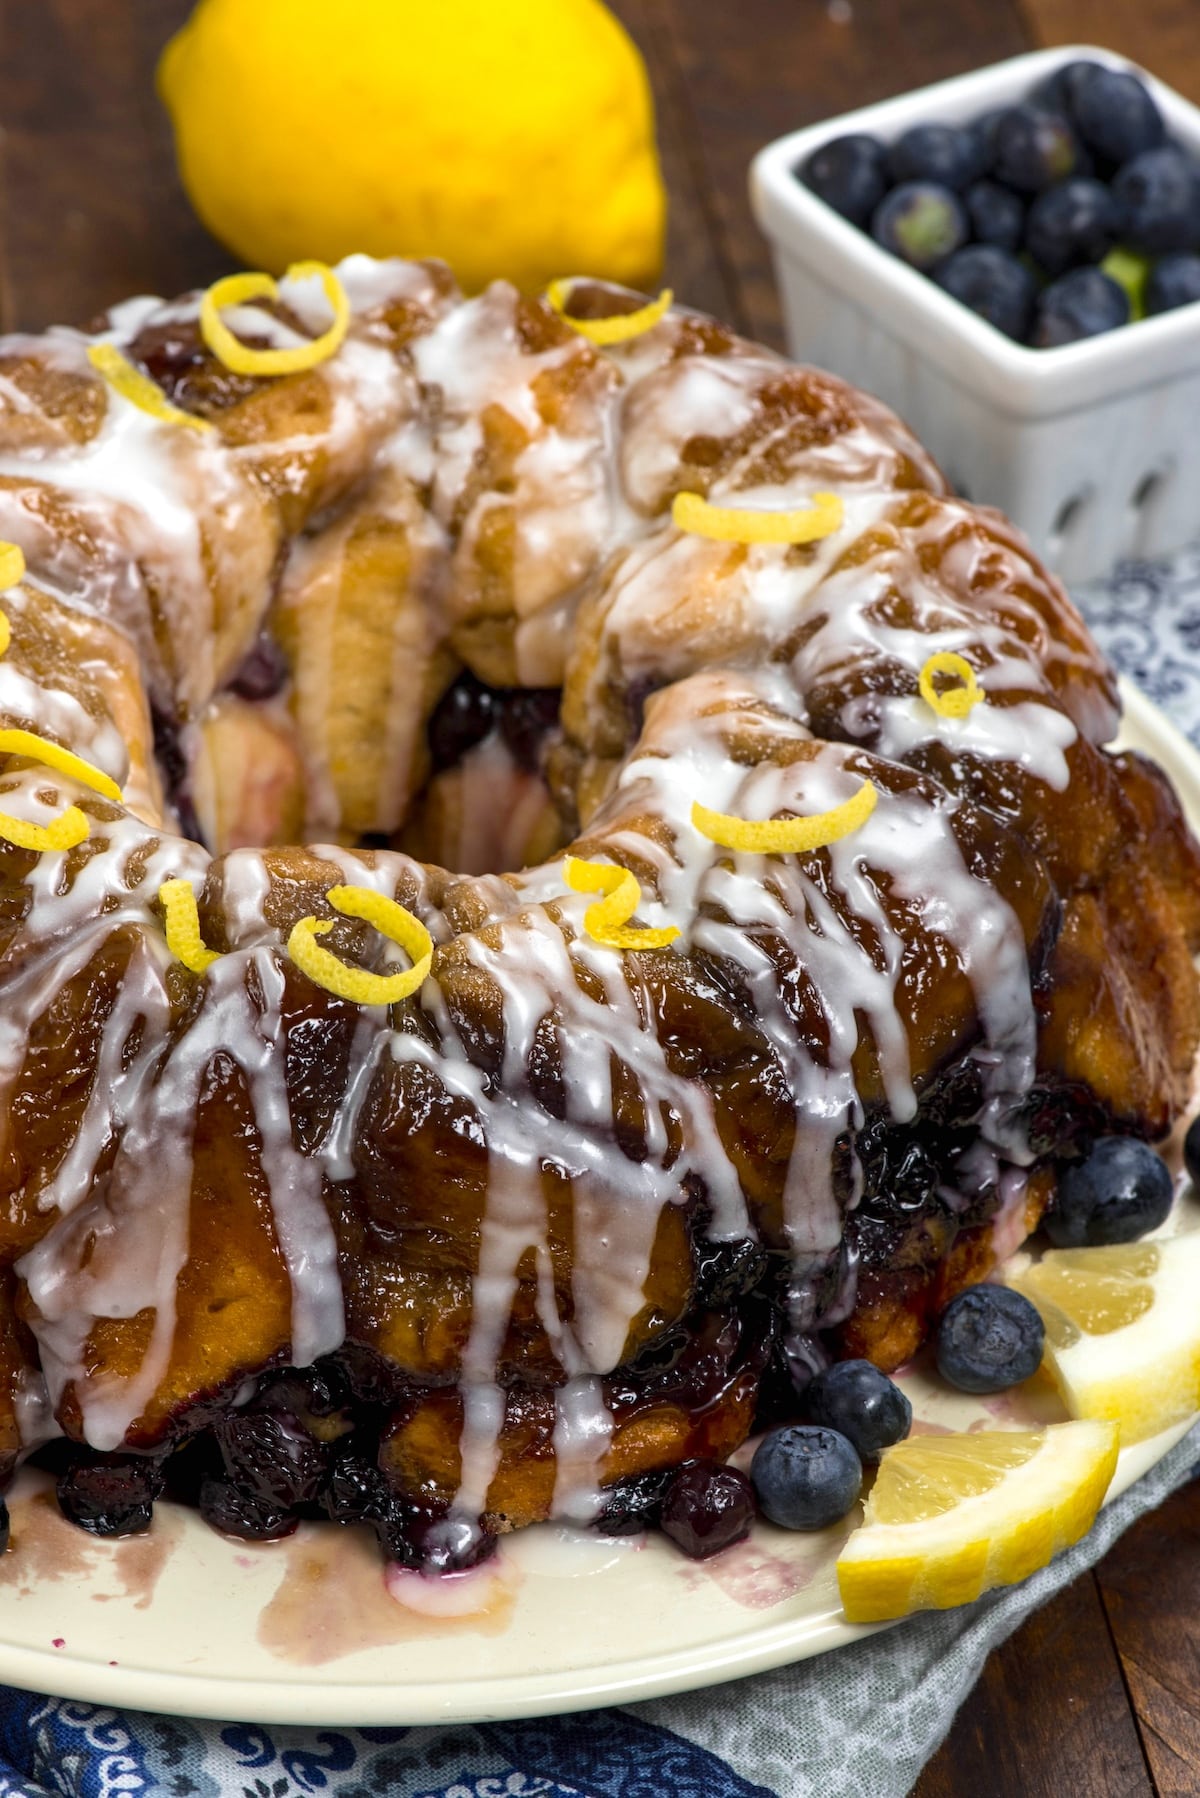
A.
x: 138, y: 388
x: 178, y: 900
x: 63, y: 761
x: 64, y: 832
x: 607, y: 922
x: 787, y: 836
x: 752, y: 524
x: 12, y: 566
x: 359, y: 985
x: 617, y: 327
x: 950, y: 702
x: 241, y: 358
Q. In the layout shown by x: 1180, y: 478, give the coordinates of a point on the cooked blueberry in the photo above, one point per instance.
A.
x: 111, y: 1495
x: 1080, y: 304
x: 262, y: 671
x: 856, y: 1398
x: 993, y: 284
x: 355, y: 1491
x: 1073, y: 222
x: 921, y: 222
x: 951, y: 154
x: 1191, y: 1152
x: 1173, y: 281
x: 707, y: 1508
x: 989, y: 1338
x: 462, y: 717
x: 526, y: 716
x: 997, y: 214
x: 1114, y: 113
x: 805, y: 1476
x: 1158, y: 201
x: 227, y: 1507
x: 4, y: 1526
x: 1033, y: 149
x: 1121, y: 1190
x: 632, y: 1504
x: 1056, y: 93
x: 449, y: 1544
x: 850, y: 174
x: 271, y: 1457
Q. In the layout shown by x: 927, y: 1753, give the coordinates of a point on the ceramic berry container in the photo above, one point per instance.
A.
x: 1093, y: 449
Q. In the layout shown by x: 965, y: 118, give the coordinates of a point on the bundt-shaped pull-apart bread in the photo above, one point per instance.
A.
x: 373, y: 1179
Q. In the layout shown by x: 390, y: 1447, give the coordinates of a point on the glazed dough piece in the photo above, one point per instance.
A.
x: 360, y: 618
x: 171, y: 533
x: 522, y: 413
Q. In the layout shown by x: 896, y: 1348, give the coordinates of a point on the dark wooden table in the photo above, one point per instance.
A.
x: 1098, y: 1696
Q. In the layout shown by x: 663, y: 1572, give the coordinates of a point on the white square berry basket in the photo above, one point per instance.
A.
x: 1093, y: 449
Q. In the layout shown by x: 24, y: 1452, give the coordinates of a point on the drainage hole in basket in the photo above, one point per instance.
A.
x: 1067, y: 521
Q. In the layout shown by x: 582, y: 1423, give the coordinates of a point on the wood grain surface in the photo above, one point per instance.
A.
x: 1098, y: 1696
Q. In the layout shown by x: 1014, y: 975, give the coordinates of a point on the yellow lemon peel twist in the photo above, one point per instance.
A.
x: 12, y: 566
x: 235, y: 290
x: 138, y: 388
x: 178, y: 900
x: 64, y: 832
x: 64, y: 761
x: 787, y: 836
x: 617, y: 327
x: 749, y: 524
x: 606, y: 922
x: 360, y: 986
x: 950, y: 702
x: 5, y: 633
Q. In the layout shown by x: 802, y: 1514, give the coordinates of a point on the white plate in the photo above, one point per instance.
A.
x: 305, y: 1631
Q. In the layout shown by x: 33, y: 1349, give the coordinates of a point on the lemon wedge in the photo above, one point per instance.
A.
x: 1122, y: 1330
x: 950, y: 1516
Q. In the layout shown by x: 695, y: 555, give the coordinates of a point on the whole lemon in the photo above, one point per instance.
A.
x: 512, y: 137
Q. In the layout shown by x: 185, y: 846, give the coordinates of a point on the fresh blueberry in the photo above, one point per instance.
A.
x: 997, y: 214
x: 856, y: 1398
x: 850, y: 174
x: 1056, y: 93
x: 1114, y: 113
x: 1073, y: 222
x: 989, y: 1337
x: 110, y: 1495
x: 1033, y: 149
x: 1173, y: 281
x: 805, y: 1476
x: 922, y: 222
x: 1158, y: 201
x: 707, y: 1508
x: 985, y: 130
x: 1080, y: 304
x: 993, y: 284
x: 1121, y: 1190
x: 951, y: 154
x: 1191, y: 1152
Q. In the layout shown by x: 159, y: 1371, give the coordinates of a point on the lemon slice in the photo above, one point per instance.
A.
x: 1122, y: 1330
x: 951, y: 1516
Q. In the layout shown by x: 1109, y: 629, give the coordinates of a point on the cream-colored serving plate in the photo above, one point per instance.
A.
x: 311, y: 1630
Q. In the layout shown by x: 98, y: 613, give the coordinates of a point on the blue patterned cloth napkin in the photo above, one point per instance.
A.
x: 863, y: 1719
